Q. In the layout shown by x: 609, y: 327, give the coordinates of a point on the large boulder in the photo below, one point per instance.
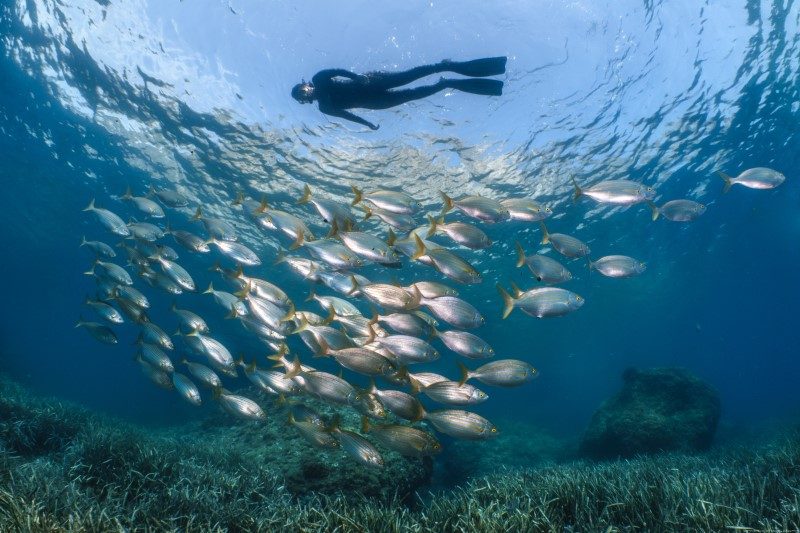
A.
x: 657, y: 410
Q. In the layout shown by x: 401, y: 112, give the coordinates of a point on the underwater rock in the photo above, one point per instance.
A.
x: 657, y: 410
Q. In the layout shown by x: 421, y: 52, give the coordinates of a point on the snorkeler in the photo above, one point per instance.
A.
x: 337, y: 90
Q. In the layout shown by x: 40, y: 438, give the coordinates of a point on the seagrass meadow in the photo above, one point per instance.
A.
x: 64, y: 468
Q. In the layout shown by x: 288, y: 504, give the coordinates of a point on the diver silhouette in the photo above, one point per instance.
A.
x: 337, y: 90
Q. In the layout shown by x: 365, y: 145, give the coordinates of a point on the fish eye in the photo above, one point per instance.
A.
x: 579, y: 298
x: 702, y: 206
x: 494, y: 430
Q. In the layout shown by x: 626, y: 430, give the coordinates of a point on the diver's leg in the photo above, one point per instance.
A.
x: 389, y: 80
x: 387, y: 99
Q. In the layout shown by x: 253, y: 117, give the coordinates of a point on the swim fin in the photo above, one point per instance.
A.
x: 490, y: 66
x: 484, y: 87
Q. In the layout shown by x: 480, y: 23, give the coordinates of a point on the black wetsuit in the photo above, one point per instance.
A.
x: 338, y: 90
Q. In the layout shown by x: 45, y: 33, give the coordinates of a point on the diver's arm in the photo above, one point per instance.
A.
x: 328, y: 74
x: 341, y: 113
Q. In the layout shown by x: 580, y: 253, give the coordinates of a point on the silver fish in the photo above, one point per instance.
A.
x: 466, y: 344
x: 305, y: 268
x: 405, y: 440
x: 190, y: 320
x: 618, y: 266
x: 464, y: 234
x: 157, y: 376
x: 239, y: 406
x: 461, y: 424
x: 480, y: 207
x: 332, y: 253
x: 143, y: 204
x: 398, y: 402
x: 100, y: 249
x: 266, y: 312
x: 169, y: 197
x: 286, y: 223
x: 189, y: 240
x: 186, y: 388
x: 368, y: 404
x: 388, y: 296
x: 236, y: 251
x: 542, y: 302
x: 398, y: 221
x: 325, y: 386
x: 145, y: 231
x: 227, y: 300
x: 754, y: 178
x: 678, y: 210
x: 406, y: 324
x: 455, y: 393
x: 111, y: 271
x: 313, y: 433
x: 216, y: 353
x: 130, y: 309
x: 134, y: 296
x: 152, y: 333
x: 156, y: 357
x: 264, y: 289
x: 392, y: 201
x: 203, y: 374
x: 566, y: 245
x: 100, y: 332
x: 339, y: 306
x: 367, y: 246
x: 409, y: 349
x: 109, y: 220
x: 175, y: 272
x: 341, y: 282
x: 451, y: 265
x: 526, y: 210
x: 542, y: 267
x: 329, y: 210
x: 105, y: 311
x: 501, y: 373
x: 425, y: 379
x: 454, y: 311
x: 360, y: 360
x: 160, y: 280
x: 358, y: 447
x: 616, y: 192
x: 431, y: 289
x: 216, y: 227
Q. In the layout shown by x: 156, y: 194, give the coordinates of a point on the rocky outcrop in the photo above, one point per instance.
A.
x: 657, y: 410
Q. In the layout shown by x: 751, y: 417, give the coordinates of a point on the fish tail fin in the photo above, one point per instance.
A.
x: 358, y: 195
x: 367, y: 211
x: 391, y: 238
x: 303, y: 326
x: 589, y: 263
x: 578, y: 192
x: 244, y: 291
x: 80, y: 321
x: 727, y: 179
x: 294, y: 370
x: 432, y: 230
x: 232, y: 314
x: 304, y: 199
x: 419, y: 251
x: 414, y: 385
x: 371, y: 336
x: 174, y: 306
x: 210, y: 289
x: 324, y: 347
x: 298, y: 242
x: 281, y: 257
x: 290, y: 314
x: 372, y: 386
x: 239, y: 271
x: 447, y: 202
x: 83, y: 241
x: 334, y: 231
x: 515, y: 290
x: 128, y: 193
x: 216, y: 392
x: 263, y: 206
x: 520, y: 254
x: 654, y: 209
x: 311, y: 295
x: 375, y: 317
x: 90, y: 272
x: 329, y: 318
x: 90, y: 207
x: 198, y: 214
x: 464, y: 373
x: 545, y: 234
x: 508, y: 301
x: 354, y: 283
x: 151, y: 191
x: 416, y: 299
x: 239, y: 200
x: 365, y: 427
x: 184, y: 361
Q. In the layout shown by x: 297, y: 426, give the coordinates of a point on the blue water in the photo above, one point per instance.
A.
x: 98, y: 96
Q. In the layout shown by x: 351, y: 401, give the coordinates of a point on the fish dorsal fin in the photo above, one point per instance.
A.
x: 331, y: 316
x: 334, y: 231
x: 447, y: 202
x: 545, y: 234
x: 306, y: 197
x: 432, y: 230
x: 358, y: 195
x: 517, y: 290
x: 391, y: 237
x: 520, y: 254
x: 420, y: 250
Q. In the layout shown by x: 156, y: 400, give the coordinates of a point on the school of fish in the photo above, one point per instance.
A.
x: 405, y: 328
